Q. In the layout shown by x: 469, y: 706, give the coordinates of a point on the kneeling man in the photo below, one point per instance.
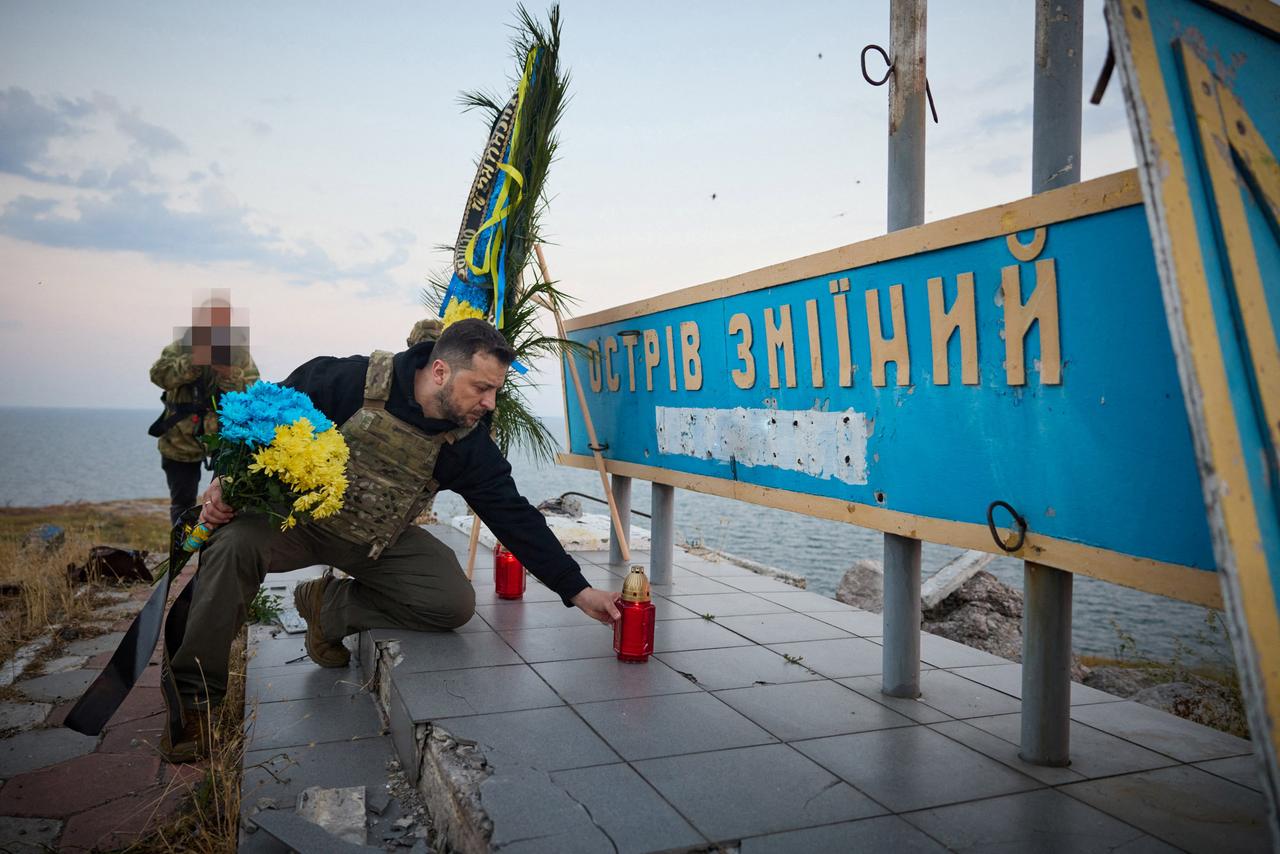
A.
x: 415, y: 423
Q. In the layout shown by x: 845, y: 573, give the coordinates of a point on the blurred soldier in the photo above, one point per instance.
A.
x: 206, y: 359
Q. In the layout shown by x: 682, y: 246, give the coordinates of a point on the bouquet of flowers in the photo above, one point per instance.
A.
x: 279, y: 455
x: 276, y: 454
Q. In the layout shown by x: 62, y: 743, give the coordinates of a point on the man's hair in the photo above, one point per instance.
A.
x: 462, y: 339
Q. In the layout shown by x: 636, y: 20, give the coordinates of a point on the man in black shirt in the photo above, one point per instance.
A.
x: 409, y: 421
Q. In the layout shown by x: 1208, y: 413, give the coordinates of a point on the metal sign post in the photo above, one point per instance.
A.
x: 907, y: 29
x: 1055, y: 162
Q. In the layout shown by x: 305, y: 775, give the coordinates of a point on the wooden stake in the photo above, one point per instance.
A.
x: 586, y: 416
x: 475, y: 541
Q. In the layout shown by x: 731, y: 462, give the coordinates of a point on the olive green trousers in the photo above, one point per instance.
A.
x: 416, y: 583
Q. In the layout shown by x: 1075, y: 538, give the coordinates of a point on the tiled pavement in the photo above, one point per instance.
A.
x: 759, y: 720
x: 63, y: 791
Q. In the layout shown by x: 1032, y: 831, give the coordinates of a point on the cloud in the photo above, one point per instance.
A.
x: 219, y: 232
x: 27, y: 127
x: 126, y: 206
x: 151, y: 138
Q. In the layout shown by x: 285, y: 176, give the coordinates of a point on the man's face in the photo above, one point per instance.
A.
x: 470, y: 393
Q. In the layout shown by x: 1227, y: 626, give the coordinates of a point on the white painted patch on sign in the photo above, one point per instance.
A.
x: 826, y: 445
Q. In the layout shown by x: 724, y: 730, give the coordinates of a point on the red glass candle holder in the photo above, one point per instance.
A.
x: 508, y: 574
x: 633, y: 631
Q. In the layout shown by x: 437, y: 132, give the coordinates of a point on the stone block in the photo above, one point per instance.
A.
x: 57, y: 687
x: 121, y: 822
x: 20, y: 716
x: 78, y: 784
x: 35, y: 749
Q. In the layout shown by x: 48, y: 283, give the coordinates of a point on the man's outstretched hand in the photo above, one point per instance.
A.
x: 598, y: 604
x: 213, y: 512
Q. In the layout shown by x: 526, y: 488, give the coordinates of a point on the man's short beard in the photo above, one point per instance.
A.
x: 444, y: 397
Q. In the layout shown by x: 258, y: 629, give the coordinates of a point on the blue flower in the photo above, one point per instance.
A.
x: 251, y: 416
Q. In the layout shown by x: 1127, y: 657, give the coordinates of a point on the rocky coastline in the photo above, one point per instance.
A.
x: 984, y: 613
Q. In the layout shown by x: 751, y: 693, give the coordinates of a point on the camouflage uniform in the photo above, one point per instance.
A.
x: 401, y: 576
x: 181, y: 451
x: 408, y: 578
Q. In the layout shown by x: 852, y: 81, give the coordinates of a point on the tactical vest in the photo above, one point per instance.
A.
x: 391, y: 468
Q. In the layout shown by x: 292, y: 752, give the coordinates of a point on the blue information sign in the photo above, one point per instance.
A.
x: 1017, y: 355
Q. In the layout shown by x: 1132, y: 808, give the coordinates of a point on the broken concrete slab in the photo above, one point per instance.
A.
x: 35, y: 749
x: 93, y: 646
x: 26, y: 654
x: 339, y: 811
x: 57, y: 687
x: 20, y: 716
x: 951, y: 577
x: 302, y: 835
x: 63, y: 663
x: 377, y: 799
x: 283, y: 773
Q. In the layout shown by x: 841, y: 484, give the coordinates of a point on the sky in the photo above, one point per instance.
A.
x: 312, y: 157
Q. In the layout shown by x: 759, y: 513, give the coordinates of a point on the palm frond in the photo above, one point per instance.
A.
x: 532, y: 153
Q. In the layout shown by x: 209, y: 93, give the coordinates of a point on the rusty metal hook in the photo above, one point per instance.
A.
x: 928, y: 93
x: 884, y: 56
x: 1018, y: 520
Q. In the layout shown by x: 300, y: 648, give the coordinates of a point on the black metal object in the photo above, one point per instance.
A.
x: 601, y: 501
x: 889, y: 70
x: 1104, y: 77
x: 1018, y: 520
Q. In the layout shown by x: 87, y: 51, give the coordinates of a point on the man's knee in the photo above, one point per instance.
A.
x: 445, y: 609
x: 242, y: 546
x: 462, y: 608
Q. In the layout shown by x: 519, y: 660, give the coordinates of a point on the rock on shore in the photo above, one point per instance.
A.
x: 981, y: 613
x: 1174, y: 690
x: 986, y: 614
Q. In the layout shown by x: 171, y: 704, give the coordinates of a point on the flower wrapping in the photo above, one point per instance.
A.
x: 278, y: 455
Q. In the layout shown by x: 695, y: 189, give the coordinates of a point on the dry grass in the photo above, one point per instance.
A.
x: 208, y: 821
x: 44, y: 597
x: 37, y: 594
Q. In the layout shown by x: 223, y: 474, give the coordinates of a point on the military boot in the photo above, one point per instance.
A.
x: 193, y: 743
x: 308, y: 598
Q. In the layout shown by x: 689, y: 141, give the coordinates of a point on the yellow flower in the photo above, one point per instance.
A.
x: 312, y: 466
x: 460, y: 310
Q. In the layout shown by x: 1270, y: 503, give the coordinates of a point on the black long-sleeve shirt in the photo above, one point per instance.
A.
x: 473, y: 466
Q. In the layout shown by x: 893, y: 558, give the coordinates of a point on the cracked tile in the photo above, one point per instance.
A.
x: 591, y: 679
x: 451, y: 693
x: 885, y: 833
x: 1184, y: 806
x: 1033, y: 821
x: 736, y: 667
x: 645, y: 727
x: 811, y: 709
x: 551, y: 739
x: 729, y: 794
x: 628, y: 809
x: 914, y: 767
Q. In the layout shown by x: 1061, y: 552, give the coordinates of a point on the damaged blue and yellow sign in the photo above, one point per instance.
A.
x: 1018, y: 354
